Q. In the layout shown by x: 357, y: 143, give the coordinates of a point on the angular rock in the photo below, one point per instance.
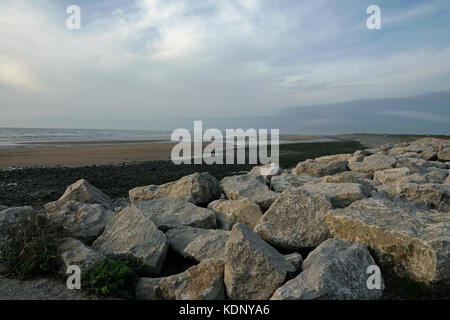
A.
x: 201, y: 282
x: 253, y: 269
x: 430, y: 195
x: 444, y: 155
x: 267, y: 171
x: 169, y: 213
x: 320, y: 168
x: 9, y: 217
x: 74, y: 252
x: 229, y: 212
x: 198, y: 188
x: 409, y: 241
x: 447, y: 181
x: 85, y: 221
x: 340, y: 194
x: 296, y: 260
x: 335, y: 270
x: 81, y: 191
x: 244, y: 186
x: 374, y: 163
x: 132, y: 236
x: 291, y: 181
x: 295, y: 220
x: 390, y: 175
x: 198, y: 244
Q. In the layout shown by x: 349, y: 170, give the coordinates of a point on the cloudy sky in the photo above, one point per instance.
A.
x: 141, y: 63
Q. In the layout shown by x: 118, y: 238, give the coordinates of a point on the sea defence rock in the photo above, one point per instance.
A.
x: 295, y: 259
x: 266, y: 171
x: 295, y: 220
x: 410, y: 241
x: 9, y: 218
x: 198, y: 188
x: 198, y: 244
x: 74, y: 252
x: 444, y: 155
x: 85, y: 221
x: 132, y: 236
x: 291, y: 181
x: 321, y: 167
x: 430, y: 195
x: 340, y: 194
x: 244, y: 186
x: 375, y: 162
x: 335, y: 270
x: 229, y: 212
x: 169, y: 213
x: 81, y: 191
x: 201, y: 282
x: 253, y: 269
x: 390, y: 175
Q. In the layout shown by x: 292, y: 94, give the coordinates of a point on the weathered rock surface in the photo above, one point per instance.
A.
x: 296, y: 260
x: 447, y: 181
x: 81, y: 191
x: 132, y: 236
x: 413, y: 242
x: 229, y: 212
x: 74, y: 252
x: 201, y: 282
x: 374, y: 163
x: 198, y: 244
x: 198, y: 188
x: 267, y: 171
x: 430, y: 195
x: 295, y: 220
x: 320, y: 168
x: 336, y: 270
x: 291, y: 181
x: 244, y: 186
x: 340, y: 194
x: 3, y: 208
x: 390, y: 175
x: 169, y: 213
x: 444, y: 155
x: 86, y: 221
x: 8, y: 218
x: 253, y: 269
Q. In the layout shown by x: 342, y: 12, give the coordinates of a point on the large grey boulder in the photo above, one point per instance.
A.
x: 244, y: 186
x: 321, y: 167
x: 335, y: 270
x: 253, y: 269
x: 81, y: 191
x: 9, y: 218
x: 82, y: 220
x: 340, y: 194
x: 201, y: 282
x: 198, y: 244
x: 229, y: 212
x: 198, y: 188
x: 295, y: 220
x: 430, y: 195
x: 74, y: 252
x: 132, y: 236
x: 169, y: 213
x: 374, y: 163
x: 412, y: 242
x: 291, y: 181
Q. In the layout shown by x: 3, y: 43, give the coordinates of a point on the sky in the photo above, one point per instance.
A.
x: 146, y: 64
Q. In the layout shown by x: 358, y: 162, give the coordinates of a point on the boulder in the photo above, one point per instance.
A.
x: 267, y: 171
x: 296, y: 260
x: 444, y: 155
x: 132, y: 236
x: 295, y: 220
x: 9, y: 217
x: 244, y: 186
x: 335, y: 270
x: 198, y: 188
x: 82, y: 220
x: 390, y: 175
x: 340, y: 194
x: 374, y: 163
x: 291, y: 181
x: 201, y: 282
x: 169, y: 213
x: 409, y: 241
x: 81, y: 191
x: 430, y: 195
x: 74, y: 252
x: 198, y: 244
x: 447, y: 181
x: 229, y: 212
x: 320, y: 168
x: 253, y: 269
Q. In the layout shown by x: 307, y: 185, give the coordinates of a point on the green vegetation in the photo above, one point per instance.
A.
x: 113, y: 278
x: 32, y: 249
